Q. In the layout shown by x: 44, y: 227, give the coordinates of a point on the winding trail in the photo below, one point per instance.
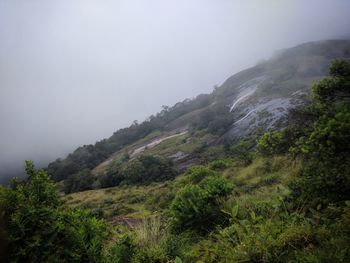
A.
x: 154, y: 143
x: 102, y: 166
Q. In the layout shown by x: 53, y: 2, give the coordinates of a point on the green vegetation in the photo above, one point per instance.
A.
x: 147, y: 169
x: 89, y: 156
x: 323, y: 143
x: 42, y: 229
x: 326, y: 148
x: 290, y: 199
x: 216, y: 119
x: 283, y: 198
x: 141, y: 170
x: 208, y: 121
x: 197, y: 207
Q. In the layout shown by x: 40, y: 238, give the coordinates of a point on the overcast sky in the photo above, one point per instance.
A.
x: 74, y: 71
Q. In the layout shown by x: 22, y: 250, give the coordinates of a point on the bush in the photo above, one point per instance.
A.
x: 243, y: 151
x: 218, y: 165
x: 326, y: 175
x: 189, y: 208
x: 197, y: 207
x: 41, y: 229
x: 110, y: 179
x: 340, y: 68
x: 216, y: 187
x: 154, y: 254
x: 177, y: 245
x: 198, y: 172
x: 277, y: 142
x: 123, y: 251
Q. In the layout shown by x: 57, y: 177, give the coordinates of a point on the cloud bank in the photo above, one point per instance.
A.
x: 74, y: 71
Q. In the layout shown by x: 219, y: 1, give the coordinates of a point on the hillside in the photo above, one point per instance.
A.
x: 273, y: 184
x: 287, y: 200
x: 245, y: 106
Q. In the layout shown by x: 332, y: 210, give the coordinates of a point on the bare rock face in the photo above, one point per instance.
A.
x: 246, y: 90
x: 261, y: 97
x: 264, y: 112
x: 262, y: 115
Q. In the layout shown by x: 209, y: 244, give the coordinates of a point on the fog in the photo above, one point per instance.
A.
x: 73, y: 72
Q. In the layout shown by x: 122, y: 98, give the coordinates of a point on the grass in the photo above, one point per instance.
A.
x: 128, y: 201
x: 119, y: 155
x: 148, y: 138
x: 263, y: 171
x: 259, y: 189
x: 149, y: 231
x: 261, y: 181
x: 168, y: 146
x: 186, y: 143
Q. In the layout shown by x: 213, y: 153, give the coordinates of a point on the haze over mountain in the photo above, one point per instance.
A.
x: 262, y: 98
x: 73, y: 72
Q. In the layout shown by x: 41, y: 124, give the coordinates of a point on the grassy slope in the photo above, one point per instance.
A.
x: 185, y: 143
x: 262, y: 181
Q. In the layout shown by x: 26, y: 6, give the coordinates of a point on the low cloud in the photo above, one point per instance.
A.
x: 74, y: 71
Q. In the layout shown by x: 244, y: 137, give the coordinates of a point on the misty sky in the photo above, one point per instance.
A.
x: 74, y: 71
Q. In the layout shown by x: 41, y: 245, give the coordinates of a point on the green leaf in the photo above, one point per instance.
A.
x: 235, y: 211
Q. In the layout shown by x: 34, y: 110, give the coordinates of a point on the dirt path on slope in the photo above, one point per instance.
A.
x: 154, y: 143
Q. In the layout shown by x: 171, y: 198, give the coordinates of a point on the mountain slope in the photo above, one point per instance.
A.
x: 245, y: 105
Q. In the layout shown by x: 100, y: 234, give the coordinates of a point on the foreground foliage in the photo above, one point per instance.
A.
x: 197, y: 207
x: 41, y: 229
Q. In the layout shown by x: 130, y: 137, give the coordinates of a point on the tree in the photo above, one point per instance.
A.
x: 278, y: 142
x: 326, y: 148
x: 336, y: 87
x: 340, y: 68
x: 147, y: 169
x: 80, y: 181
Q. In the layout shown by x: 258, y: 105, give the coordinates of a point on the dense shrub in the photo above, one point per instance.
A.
x: 81, y: 181
x: 243, y: 151
x: 197, y: 173
x: 147, y: 169
x: 178, y: 244
x: 142, y: 170
x: 147, y: 254
x: 216, y: 187
x: 277, y: 142
x: 198, y: 206
x: 41, y: 229
x: 326, y: 148
x: 110, y: 179
x: 218, y: 165
x: 122, y: 251
x: 190, y: 207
